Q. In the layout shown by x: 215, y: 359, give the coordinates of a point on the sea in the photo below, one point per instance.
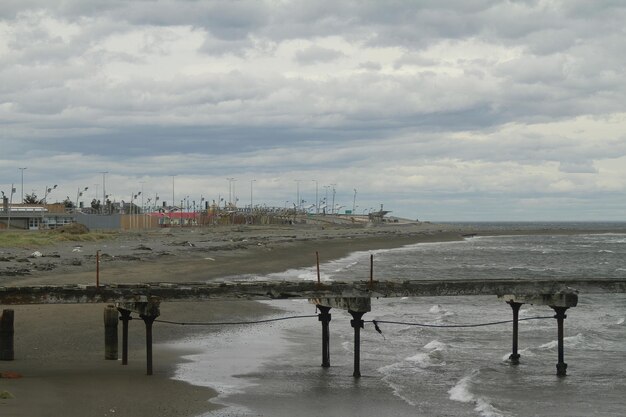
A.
x: 273, y: 369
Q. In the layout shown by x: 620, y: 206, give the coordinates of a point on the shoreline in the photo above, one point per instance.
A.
x: 59, y: 365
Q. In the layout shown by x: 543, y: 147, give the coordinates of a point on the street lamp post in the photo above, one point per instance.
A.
x: 79, y: 193
x: 104, y: 191
x: 22, y: 169
x: 251, y: 182
x: 354, y: 202
x: 173, y: 201
x: 297, y: 195
x: 317, y: 201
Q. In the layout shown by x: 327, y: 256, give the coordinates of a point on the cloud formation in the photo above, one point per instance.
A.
x: 441, y: 110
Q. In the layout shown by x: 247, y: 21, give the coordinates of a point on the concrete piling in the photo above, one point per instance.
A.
x: 110, y: 333
x: 7, y: 331
x: 124, y: 318
x: 148, y: 320
x: 357, y: 324
x: 324, y: 317
x: 514, y: 357
x: 561, y: 366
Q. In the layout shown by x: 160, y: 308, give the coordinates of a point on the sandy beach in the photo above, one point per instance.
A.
x: 59, y: 349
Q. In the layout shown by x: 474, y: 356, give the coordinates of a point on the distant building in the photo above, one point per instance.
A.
x: 33, y: 217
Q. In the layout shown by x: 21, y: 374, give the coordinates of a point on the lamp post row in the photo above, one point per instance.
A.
x: 231, y: 192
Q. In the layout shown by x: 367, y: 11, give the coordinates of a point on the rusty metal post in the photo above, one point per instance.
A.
x: 357, y: 324
x: 371, y: 271
x: 110, y: 333
x: 98, y: 269
x: 7, y: 331
x: 514, y: 357
x: 561, y: 366
x: 324, y: 317
x: 125, y: 318
x: 317, y: 257
x: 148, y: 320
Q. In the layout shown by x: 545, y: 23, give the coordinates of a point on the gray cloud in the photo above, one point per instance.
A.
x: 317, y: 54
x: 459, y: 101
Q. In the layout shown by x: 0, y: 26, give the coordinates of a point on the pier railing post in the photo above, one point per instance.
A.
x: 514, y: 357
x: 125, y: 318
x: 324, y: 317
x: 561, y: 366
x: 110, y: 333
x: 357, y: 324
x: 7, y: 331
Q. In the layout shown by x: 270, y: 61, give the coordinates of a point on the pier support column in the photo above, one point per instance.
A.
x: 7, y: 331
x: 125, y: 318
x: 357, y: 324
x: 514, y: 357
x: 110, y: 333
x: 324, y: 317
x: 561, y: 366
x: 148, y: 320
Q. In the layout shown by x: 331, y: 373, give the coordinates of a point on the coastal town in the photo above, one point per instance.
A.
x: 138, y: 213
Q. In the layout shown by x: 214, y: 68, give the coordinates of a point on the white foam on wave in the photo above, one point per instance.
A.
x: 462, y: 392
x: 620, y: 321
x: 435, y: 355
x: 523, y: 352
x: 435, y: 345
x: 571, y: 341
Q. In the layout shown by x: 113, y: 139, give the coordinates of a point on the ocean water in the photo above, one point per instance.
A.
x: 274, y: 369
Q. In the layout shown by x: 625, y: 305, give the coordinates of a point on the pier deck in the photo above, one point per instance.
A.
x: 276, y: 290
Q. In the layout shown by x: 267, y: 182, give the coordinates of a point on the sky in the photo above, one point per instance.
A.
x: 439, y: 110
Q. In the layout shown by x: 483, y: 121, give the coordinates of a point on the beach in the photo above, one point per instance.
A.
x: 59, y: 349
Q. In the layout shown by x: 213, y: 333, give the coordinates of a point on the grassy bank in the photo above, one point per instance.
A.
x: 37, y: 239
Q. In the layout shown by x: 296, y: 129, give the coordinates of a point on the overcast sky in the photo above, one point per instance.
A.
x: 440, y: 110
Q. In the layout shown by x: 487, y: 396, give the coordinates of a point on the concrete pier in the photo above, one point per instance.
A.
x: 354, y: 297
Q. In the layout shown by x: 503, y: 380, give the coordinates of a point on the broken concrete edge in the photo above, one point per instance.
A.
x: 566, y: 298
x: 149, y: 308
x: 357, y: 304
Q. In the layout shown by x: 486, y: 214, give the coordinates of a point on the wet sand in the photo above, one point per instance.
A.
x: 59, y: 348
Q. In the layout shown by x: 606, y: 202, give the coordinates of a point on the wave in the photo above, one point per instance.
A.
x: 462, y: 392
x: 571, y: 341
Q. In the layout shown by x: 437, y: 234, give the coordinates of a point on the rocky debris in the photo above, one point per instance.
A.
x: 7, y: 258
x: 185, y: 243
x: 48, y: 266
x: 127, y: 258
x: 13, y: 272
x: 6, y: 395
x: 36, y: 254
